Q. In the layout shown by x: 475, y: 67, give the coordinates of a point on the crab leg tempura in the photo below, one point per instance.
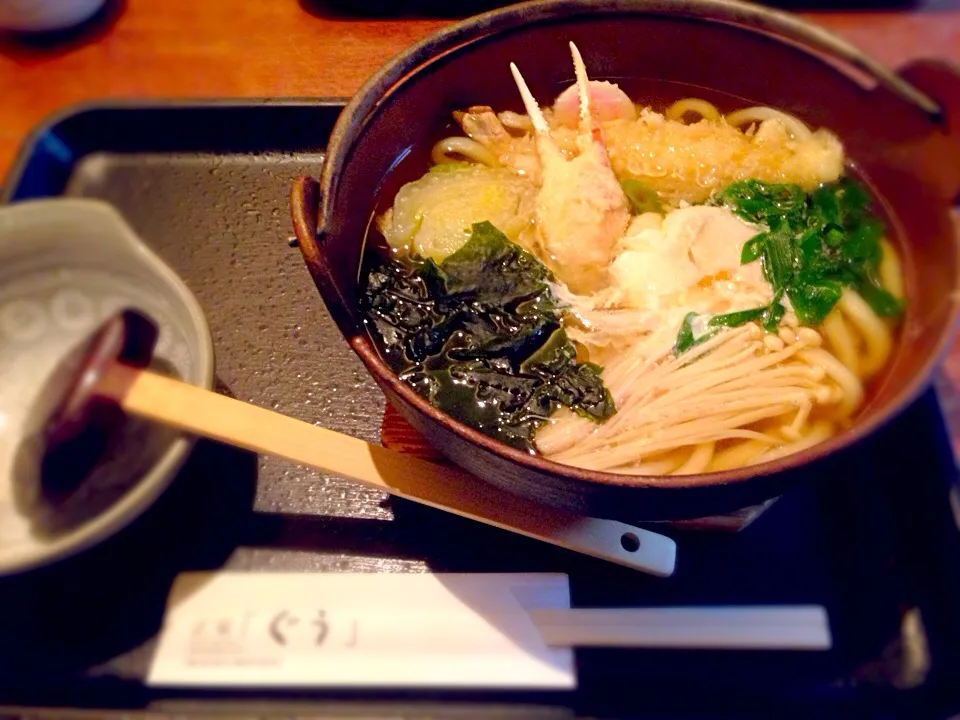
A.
x: 581, y: 209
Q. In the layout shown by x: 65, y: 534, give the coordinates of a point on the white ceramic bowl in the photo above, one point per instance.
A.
x: 65, y: 266
x: 45, y: 15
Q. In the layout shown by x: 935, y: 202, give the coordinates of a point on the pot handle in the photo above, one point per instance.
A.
x: 305, y: 197
x: 941, y: 81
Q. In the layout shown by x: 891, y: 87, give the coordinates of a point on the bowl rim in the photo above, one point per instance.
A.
x: 782, y: 26
x: 155, y: 481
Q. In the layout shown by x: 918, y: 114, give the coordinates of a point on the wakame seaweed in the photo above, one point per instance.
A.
x: 479, y: 336
x: 814, y: 245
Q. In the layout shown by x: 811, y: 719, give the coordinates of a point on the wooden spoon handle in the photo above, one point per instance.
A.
x: 218, y: 417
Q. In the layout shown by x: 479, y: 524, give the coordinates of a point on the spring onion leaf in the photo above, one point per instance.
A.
x: 772, y: 315
x: 688, y: 336
x: 752, y: 249
x: 813, y: 247
x: 685, y: 338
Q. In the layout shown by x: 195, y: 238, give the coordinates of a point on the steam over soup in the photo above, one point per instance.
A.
x: 636, y: 292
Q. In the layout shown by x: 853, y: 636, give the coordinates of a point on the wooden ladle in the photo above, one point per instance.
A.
x: 105, y: 378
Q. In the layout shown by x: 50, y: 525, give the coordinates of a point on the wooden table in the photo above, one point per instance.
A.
x: 225, y: 48
x: 302, y: 48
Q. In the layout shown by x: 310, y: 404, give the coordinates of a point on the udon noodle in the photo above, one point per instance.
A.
x: 729, y: 390
x: 682, y: 161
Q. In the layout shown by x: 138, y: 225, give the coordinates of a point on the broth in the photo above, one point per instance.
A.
x: 704, y: 363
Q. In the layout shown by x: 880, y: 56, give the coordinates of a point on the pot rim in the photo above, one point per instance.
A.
x: 785, y: 26
x: 782, y: 26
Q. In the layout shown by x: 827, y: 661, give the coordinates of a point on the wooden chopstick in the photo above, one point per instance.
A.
x: 800, y: 627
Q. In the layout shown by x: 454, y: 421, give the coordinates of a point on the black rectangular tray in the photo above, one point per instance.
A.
x: 205, y: 184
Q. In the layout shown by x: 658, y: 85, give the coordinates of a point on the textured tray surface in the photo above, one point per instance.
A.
x: 870, y: 544
x: 222, y: 223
